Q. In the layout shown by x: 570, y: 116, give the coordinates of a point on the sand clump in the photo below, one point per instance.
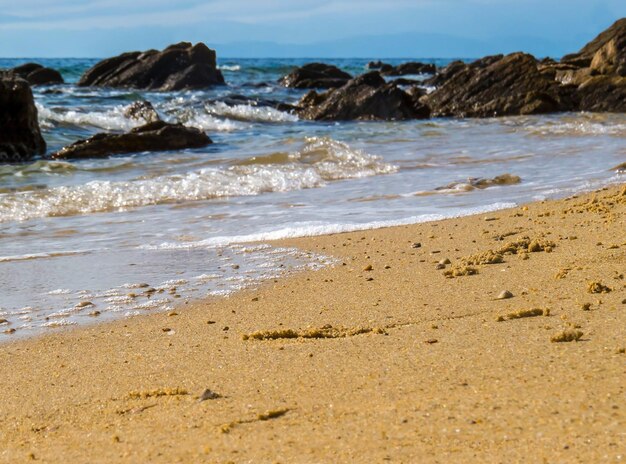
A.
x: 569, y: 335
x: 523, y: 314
x: 598, y: 287
x: 177, y: 391
x: 319, y: 333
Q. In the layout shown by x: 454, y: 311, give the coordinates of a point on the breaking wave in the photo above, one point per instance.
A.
x: 320, y: 161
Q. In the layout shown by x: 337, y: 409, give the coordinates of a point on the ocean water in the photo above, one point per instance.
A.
x: 84, y: 241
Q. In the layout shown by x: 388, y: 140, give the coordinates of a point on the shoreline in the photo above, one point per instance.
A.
x: 352, y: 363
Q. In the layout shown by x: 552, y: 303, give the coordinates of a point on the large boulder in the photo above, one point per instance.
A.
x: 367, y: 97
x: 316, y: 76
x: 20, y: 137
x: 154, y: 136
x: 37, y: 74
x: 178, y: 67
x: 500, y: 86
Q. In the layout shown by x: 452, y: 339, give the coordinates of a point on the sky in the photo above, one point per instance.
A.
x: 304, y: 28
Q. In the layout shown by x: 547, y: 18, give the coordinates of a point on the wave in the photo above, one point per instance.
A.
x: 112, y: 119
x: 320, y: 161
x: 317, y: 228
x: 229, y: 67
x: 249, y: 113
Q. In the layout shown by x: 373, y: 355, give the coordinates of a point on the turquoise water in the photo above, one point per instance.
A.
x: 93, y: 230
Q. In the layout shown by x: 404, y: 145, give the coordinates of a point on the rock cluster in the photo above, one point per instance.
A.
x: 178, y: 67
x: 37, y: 74
x: 367, y: 97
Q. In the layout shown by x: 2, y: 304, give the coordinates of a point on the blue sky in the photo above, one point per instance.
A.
x: 308, y: 28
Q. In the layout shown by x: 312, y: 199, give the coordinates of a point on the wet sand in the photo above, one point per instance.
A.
x: 381, y: 358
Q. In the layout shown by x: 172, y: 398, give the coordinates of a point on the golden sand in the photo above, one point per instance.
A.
x: 381, y: 358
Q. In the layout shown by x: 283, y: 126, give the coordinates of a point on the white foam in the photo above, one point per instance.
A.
x: 249, y: 113
x: 229, y: 67
x: 315, y: 229
x: 112, y: 119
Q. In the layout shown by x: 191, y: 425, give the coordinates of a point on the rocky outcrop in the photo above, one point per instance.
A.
x: 500, y: 86
x: 367, y: 97
x: 375, y: 65
x: 178, y: 67
x: 142, y: 111
x: 603, y: 94
x: 154, y: 136
x: 316, y: 76
x: 608, y: 48
x: 37, y: 74
x: 20, y: 137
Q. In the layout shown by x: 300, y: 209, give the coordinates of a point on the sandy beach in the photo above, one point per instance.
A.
x: 408, y: 350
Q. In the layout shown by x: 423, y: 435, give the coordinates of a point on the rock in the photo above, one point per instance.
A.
x: 208, y: 395
x: 367, y: 97
x: 376, y: 65
x: 154, y: 136
x: 608, y: 40
x: 410, y: 68
x: 511, y: 85
x: 316, y: 75
x: 504, y: 295
x: 178, y: 67
x: 142, y: 111
x: 603, y: 94
x: 446, y: 74
x: 20, y: 136
x: 37, y: 74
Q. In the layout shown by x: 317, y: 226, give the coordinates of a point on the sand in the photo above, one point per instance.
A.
x: 382, y: 357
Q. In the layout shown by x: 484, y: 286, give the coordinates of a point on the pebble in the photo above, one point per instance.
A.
x: 94, y: 313
x: 369, y: 267
x: 504, y: 295
x: 440, y: 266
x: 4, y: 321
x: 9, y: 331
x: 209, y: 395
x: 84, y: 304
x: 416, y: 245
x: 431, y: 341
x: 445, y: 261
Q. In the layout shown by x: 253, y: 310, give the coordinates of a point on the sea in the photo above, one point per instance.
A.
x: 94, y: 240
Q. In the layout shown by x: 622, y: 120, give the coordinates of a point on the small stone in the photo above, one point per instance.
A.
x: 226, y: 329
x: 83, y: 304
x: 131, y: 295
x: 4, y: 321
x: 256, y: 298
x: 210, y: 322
x: 369, y: 267
x: 94, y: 313
x: 9, y: 331
x: 387, y: 266
x: 440, y: 266
x: 416, y: 245
x: 369, y: 279
x: 208, y: 395
x: 432, y: 341
x: 445, y: 261
x: 586, y: 307
x: 172, y: 313
x: 166, y: 329
x: 504, y: 295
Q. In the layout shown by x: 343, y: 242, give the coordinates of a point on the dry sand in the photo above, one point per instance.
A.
x: 398, y: 363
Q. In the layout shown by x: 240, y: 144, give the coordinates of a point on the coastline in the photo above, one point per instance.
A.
x: 394, y: 363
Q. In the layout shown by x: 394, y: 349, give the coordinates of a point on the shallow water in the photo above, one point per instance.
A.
x: 91, y: 231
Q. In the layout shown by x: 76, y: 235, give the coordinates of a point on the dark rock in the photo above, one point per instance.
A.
x: 446, y: 74
x: 405, y: 82
x: 37, y: 74
x: 316, y: 76
x: 376, y: 65
x: 20, y: 137
x: 410, y: 68
x: 367, y: 97
x: 142, y: 111
x: 180, y: 66
x: 495, y: 86
x: 236, y: 99
x: 154, y: 136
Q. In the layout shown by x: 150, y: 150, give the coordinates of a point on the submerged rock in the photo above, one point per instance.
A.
x: 316, y: 76
x: 37, y: 74
x: 20, y: 136
x: 180, y: 66
x: 511, y: 85
x: 367, y: 97
x: 154, y: 136
x: 473, y: 183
